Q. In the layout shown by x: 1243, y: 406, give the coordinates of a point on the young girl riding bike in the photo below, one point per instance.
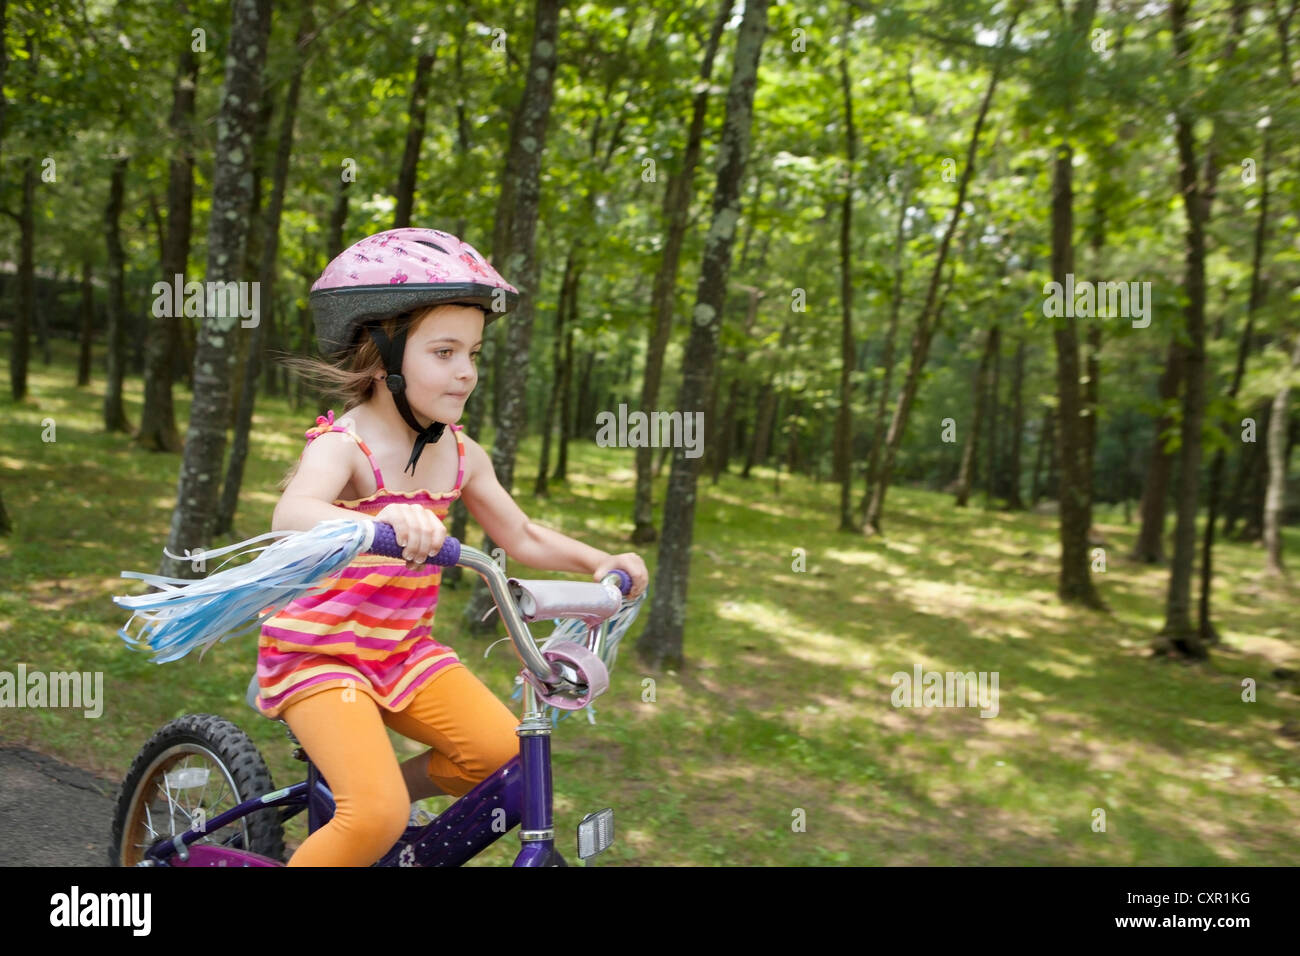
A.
x: 401, y: 315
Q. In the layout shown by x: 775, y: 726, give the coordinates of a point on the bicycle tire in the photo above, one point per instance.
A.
x: 218, y: 741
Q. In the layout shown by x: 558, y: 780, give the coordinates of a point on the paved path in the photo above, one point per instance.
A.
x: 52, y: 814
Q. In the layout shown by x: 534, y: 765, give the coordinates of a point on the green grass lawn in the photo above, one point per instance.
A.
x: 783, y: 712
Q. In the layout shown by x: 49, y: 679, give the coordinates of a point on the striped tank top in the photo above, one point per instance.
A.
x: 369, y: 627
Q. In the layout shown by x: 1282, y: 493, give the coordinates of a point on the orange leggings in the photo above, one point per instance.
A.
x: 471, y: 731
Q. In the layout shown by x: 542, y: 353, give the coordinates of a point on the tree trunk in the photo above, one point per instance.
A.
x: 966, y: 476
x: 759, y: 436
x: 205, y: 440
x: 993, y: 475
x: 1046, y: 440
x: 722, y: 441
x: 270, y: 250
x: 252, y: 262
x: 891, y: 334
x: 1253, y: 525
x: 557, y: 373
x: 1012, y: 484
x: 1278, y: 447
x: 928, y: 320
x: 1179, y: 635
x: 414, y: 140
x: 566, y: 409
x: 586, y: 396
x: 676, y: 209
x: 1075, y: 494
x: 114, y: 411
x: 1209, y: 633
x: 87, y: 323
x: 20, y: 347
x: 843, y: 420
x: 513, y: 247
x: 158, y: 416
x: 661, y: 642
x: 1150, y: 545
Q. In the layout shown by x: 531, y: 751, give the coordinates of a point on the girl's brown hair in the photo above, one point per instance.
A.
x: 351, y: 378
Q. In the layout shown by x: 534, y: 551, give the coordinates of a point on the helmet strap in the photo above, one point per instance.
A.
x: 391, y: 351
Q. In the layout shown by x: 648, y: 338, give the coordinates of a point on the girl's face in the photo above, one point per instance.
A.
x: 440, y: 361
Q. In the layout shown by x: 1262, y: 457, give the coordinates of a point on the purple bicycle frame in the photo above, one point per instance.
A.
x: 519, y: 791
x: 516, y: 793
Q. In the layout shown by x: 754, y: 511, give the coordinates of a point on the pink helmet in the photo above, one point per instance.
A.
x: 400, y: 271
x: 396, y: 272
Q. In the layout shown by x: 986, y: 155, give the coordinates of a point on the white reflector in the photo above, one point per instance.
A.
x: 186, y: 778
x: 595, y: 833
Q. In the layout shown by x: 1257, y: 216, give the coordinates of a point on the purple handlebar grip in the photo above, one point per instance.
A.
x: 385, y: 543
x: 624, y: 580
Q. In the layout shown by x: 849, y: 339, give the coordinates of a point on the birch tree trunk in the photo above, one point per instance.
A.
x: 1278, y: 447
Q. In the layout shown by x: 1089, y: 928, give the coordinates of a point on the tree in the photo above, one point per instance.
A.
x: 843, y: 420
x: 676, y: 208
x: 514, y: 254
x: 661, y: 642
x: 205, y: 440
x: 966, y: 476
x: 927, y: 321
x: 158, y: 417
x: 1179, y: 635
x: 1278, y: 447
x: 114, y: 411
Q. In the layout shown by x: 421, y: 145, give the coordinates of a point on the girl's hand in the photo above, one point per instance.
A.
x: 632, y: 564
x: 418, y: 529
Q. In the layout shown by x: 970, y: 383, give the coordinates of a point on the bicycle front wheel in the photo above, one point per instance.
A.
x: 191, y: 770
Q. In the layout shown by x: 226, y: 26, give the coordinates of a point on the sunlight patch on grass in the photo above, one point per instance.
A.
x: 868, y: 559
x: 1058, y: 669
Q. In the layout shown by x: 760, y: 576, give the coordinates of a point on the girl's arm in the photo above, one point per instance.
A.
x: 323, y: 472
x: 530, y: 543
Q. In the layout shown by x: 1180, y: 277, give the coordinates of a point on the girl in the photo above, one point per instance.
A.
x: 401, y: 314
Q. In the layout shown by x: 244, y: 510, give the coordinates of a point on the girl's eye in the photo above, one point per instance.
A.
x: 443, y: 352
x: 474, y: 356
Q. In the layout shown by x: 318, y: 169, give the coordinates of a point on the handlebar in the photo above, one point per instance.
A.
x: 454, y: 553
x: 385, y: 543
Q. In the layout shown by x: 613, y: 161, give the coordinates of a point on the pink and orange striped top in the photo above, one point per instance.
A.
x: 369, y: 627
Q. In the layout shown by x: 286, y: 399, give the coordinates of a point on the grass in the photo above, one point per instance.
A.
x: 777, y: 743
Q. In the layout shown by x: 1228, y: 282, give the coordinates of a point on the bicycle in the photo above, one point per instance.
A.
x: 163, y: 816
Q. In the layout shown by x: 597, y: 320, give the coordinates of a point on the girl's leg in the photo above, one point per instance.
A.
x: 345, y: 738
x: 470, y: 730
